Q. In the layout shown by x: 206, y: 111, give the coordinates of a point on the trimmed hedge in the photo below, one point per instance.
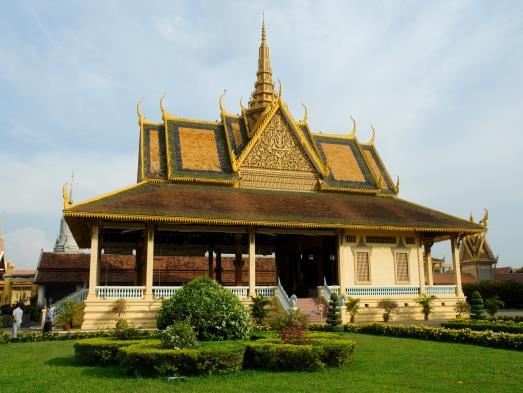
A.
x: 510, y: 292
x: 464, y: 336
x: 5, y: 338
x: 505, y: 327
x: 275, y: 356
x: 149, y: 359
x: 100, y: 351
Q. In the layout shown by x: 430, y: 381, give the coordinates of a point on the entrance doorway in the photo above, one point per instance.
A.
x: 304, y: 262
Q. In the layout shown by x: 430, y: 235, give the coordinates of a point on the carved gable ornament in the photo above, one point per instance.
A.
x: 278, y: 149
x: 278, y: 160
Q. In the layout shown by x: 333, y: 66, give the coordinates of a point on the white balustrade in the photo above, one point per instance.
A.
x: 265, y: 291
x: 381, y: 291
x: 441, y: 290
x: 76, y: 297
x: 239, y: 291
x: 120, y: 292
x: 334, y: 289
x: 164, y: 292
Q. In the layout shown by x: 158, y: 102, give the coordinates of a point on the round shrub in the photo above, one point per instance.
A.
x: 178, y: 336
x: 213, y: 311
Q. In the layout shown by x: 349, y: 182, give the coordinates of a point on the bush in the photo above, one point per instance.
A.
x: 291, y: 318
x: 124, y: 331
x: 274, y: 356
x: 388, y: 306
x: 493, y: 326
x: 492, y: 305
x: 148, y: 359
x: 425, y: 301
x: 99, y: 351
x: 352, y: 305
x: 259, y: 308
x: 509, y: 292
x: 180, y: 335
x: 56, y: 336
x: 465, y: 336
x: 461, y: 307
x: 477, y: 310
x: 213, y: 311
x: 333, y: 314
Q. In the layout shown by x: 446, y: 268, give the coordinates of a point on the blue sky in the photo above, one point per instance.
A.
x: 442, y: 83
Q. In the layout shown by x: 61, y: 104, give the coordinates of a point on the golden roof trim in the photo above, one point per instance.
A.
x: 348, y: 190
x: 210, y: 122
x: 277, y: 224
x: 338, y: 136
x: 108, y: 194
x: 175, y: 179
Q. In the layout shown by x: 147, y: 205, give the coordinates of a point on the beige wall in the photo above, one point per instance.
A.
x: 382, y: 262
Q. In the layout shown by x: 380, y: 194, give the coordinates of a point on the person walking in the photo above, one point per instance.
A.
x: 18, y: 314
x: 48, y: 322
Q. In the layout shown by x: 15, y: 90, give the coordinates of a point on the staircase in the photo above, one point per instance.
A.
x: 309, y: 306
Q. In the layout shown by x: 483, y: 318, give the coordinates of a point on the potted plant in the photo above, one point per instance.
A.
x: 461, y: 307
x: 425, y: 301
x: 388, y: 306
x: 352, y: 305
x: 68, y: 315
x: 258, y: 308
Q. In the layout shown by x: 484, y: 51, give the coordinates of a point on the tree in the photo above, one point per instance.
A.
x: 461, y: 307
x: 425, y: 301
x: 258, y: 308
x: 352, y: 305
x: 388, y: 306
x: 477, y: 311
x: 333, y: 314
x: 492, y: 304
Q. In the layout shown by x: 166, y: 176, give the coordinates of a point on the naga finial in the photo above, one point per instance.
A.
x: 305, y: 114
x: 397, y: 187
x: 71, y: 191
x: 280, y: 92
x: 371, y: 140
x: 353, y: 133
x: 66, y: 196
x: 162, y: 108
x: 484, y: 220
x: 241, y: 104
x: 139, y: 110
x: 471, y: 217
x: 222, y: 111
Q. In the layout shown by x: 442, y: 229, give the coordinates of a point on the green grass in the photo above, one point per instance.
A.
x: 381, y: 364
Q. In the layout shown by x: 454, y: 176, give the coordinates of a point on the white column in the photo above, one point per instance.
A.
x: 342, y: 256
x: 149, y: 262
x: 421, y: 270
x: 252, y: 262
x: 456, y: 265
x: 428, y: 254
x: 41, y: 295
x: 94, y: 271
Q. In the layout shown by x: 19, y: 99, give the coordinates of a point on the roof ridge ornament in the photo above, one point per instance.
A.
x: 471, y: 217
x: 222, y: 110
x: 484, y: 220
x: 353, y: 133
x: 241, y: 104
x: 162, y: 108
x: 139, y: 110
x: 66, y: 196
x: 397, y: 186
x: 280, y: 91
x: 305, y: 114
x: 372, y: 138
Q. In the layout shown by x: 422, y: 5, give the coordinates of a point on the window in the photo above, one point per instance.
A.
x: 362, y: 267
x: 381, y: 239
x: 350, y: 238
x: 410, y: 240
x: 402, y: 267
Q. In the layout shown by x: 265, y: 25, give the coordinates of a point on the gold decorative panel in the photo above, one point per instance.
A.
x: 342, y: 162
x: 238, y: 137
x: 154, y: 151
x: 375, y: 169
x: 198, y: 149
x: 278, y: 149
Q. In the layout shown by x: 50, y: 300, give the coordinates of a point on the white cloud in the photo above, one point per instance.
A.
x: 23, y: 245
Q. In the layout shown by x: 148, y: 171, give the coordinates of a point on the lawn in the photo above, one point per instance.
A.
x: 381, y: 364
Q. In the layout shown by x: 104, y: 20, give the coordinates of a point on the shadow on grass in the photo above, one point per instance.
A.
x: 88, y: 370
x: 65, y: 361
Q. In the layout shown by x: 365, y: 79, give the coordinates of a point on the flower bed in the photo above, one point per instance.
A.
x: 465, y: 336
x: 494, y: 326
x: 5, y: 338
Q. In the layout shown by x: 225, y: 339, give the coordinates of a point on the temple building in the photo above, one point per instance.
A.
x: 261, y: 186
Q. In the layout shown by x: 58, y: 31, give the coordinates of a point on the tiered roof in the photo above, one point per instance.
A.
x: 271, y: 171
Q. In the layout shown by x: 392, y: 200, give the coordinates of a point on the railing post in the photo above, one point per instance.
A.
x: 427, y: 246
x: 421, y: 270
x: 94, y: 260
x: 252, y: 262
x: 149, y: 262
x: 456, y: 265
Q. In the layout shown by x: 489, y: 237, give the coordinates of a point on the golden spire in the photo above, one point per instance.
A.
x: 263, y: 94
